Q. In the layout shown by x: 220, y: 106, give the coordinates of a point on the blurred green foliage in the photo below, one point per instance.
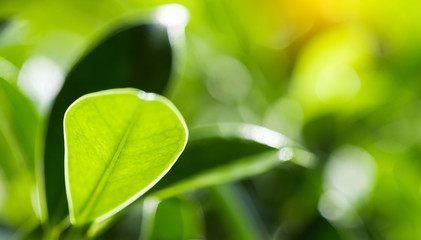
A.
x: 339, y: 77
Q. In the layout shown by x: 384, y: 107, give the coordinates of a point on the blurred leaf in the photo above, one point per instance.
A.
x: 234, y: 215
x: 225, y: 153
x: 3, y: 24
x: 333, y: 73
x: 322, y: 133
x: 179, y: 217
x: 319, y: 229
x: 33, y: 234
x: 8, y: 70
x: 18, y: 124
x: 134, y: 56
x: 122, y: 225
x: 119, y: 143
x: 18, y: 133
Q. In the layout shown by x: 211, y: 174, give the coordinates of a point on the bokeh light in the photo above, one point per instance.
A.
x: 334, y: 86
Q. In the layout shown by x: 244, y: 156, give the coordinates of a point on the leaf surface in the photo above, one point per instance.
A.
x: 119, y: 143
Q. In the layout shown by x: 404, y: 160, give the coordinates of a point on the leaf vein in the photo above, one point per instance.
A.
x: 87, y: 209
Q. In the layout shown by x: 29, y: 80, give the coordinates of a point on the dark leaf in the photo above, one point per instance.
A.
x: 136, y: 56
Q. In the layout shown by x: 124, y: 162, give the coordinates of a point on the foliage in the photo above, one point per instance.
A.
x: 117, y: 142
x: 301, y: 116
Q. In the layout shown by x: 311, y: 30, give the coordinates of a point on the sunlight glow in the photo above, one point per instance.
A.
x: 41, y: 79
x: 333, y: 206
x: 337, y: 82
x: 349, y: 179
x: 351, y: 171
x: 175, y: 18
x: 173, y: 15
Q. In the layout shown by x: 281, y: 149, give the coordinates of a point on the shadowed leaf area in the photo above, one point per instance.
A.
x: 216, y: 155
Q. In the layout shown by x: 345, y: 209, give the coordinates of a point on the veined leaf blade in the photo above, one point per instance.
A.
x: 118, y: 145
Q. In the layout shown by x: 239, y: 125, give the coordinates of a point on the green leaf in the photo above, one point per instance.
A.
x: 137, y: 56
x: 235, y: 216
x: 124, y: 223
x: 3, y: 24
x: 181, y: 219
x: 8, y: 71
x: 19, y: 124
x: 119, y: 143
x: 229, y: 152
x: 35, y: 233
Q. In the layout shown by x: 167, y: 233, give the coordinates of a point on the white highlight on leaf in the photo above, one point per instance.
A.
x: 146, y: 96
x: 264, y: 136
x: 172, y: 15
x: 175, y: 17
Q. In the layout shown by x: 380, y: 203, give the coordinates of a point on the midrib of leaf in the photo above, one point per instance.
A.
x: 86, y: 210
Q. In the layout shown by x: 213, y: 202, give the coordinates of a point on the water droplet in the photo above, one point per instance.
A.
x: 285, y: 154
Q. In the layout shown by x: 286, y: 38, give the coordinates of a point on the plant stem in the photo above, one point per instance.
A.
x: 55, y: 232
